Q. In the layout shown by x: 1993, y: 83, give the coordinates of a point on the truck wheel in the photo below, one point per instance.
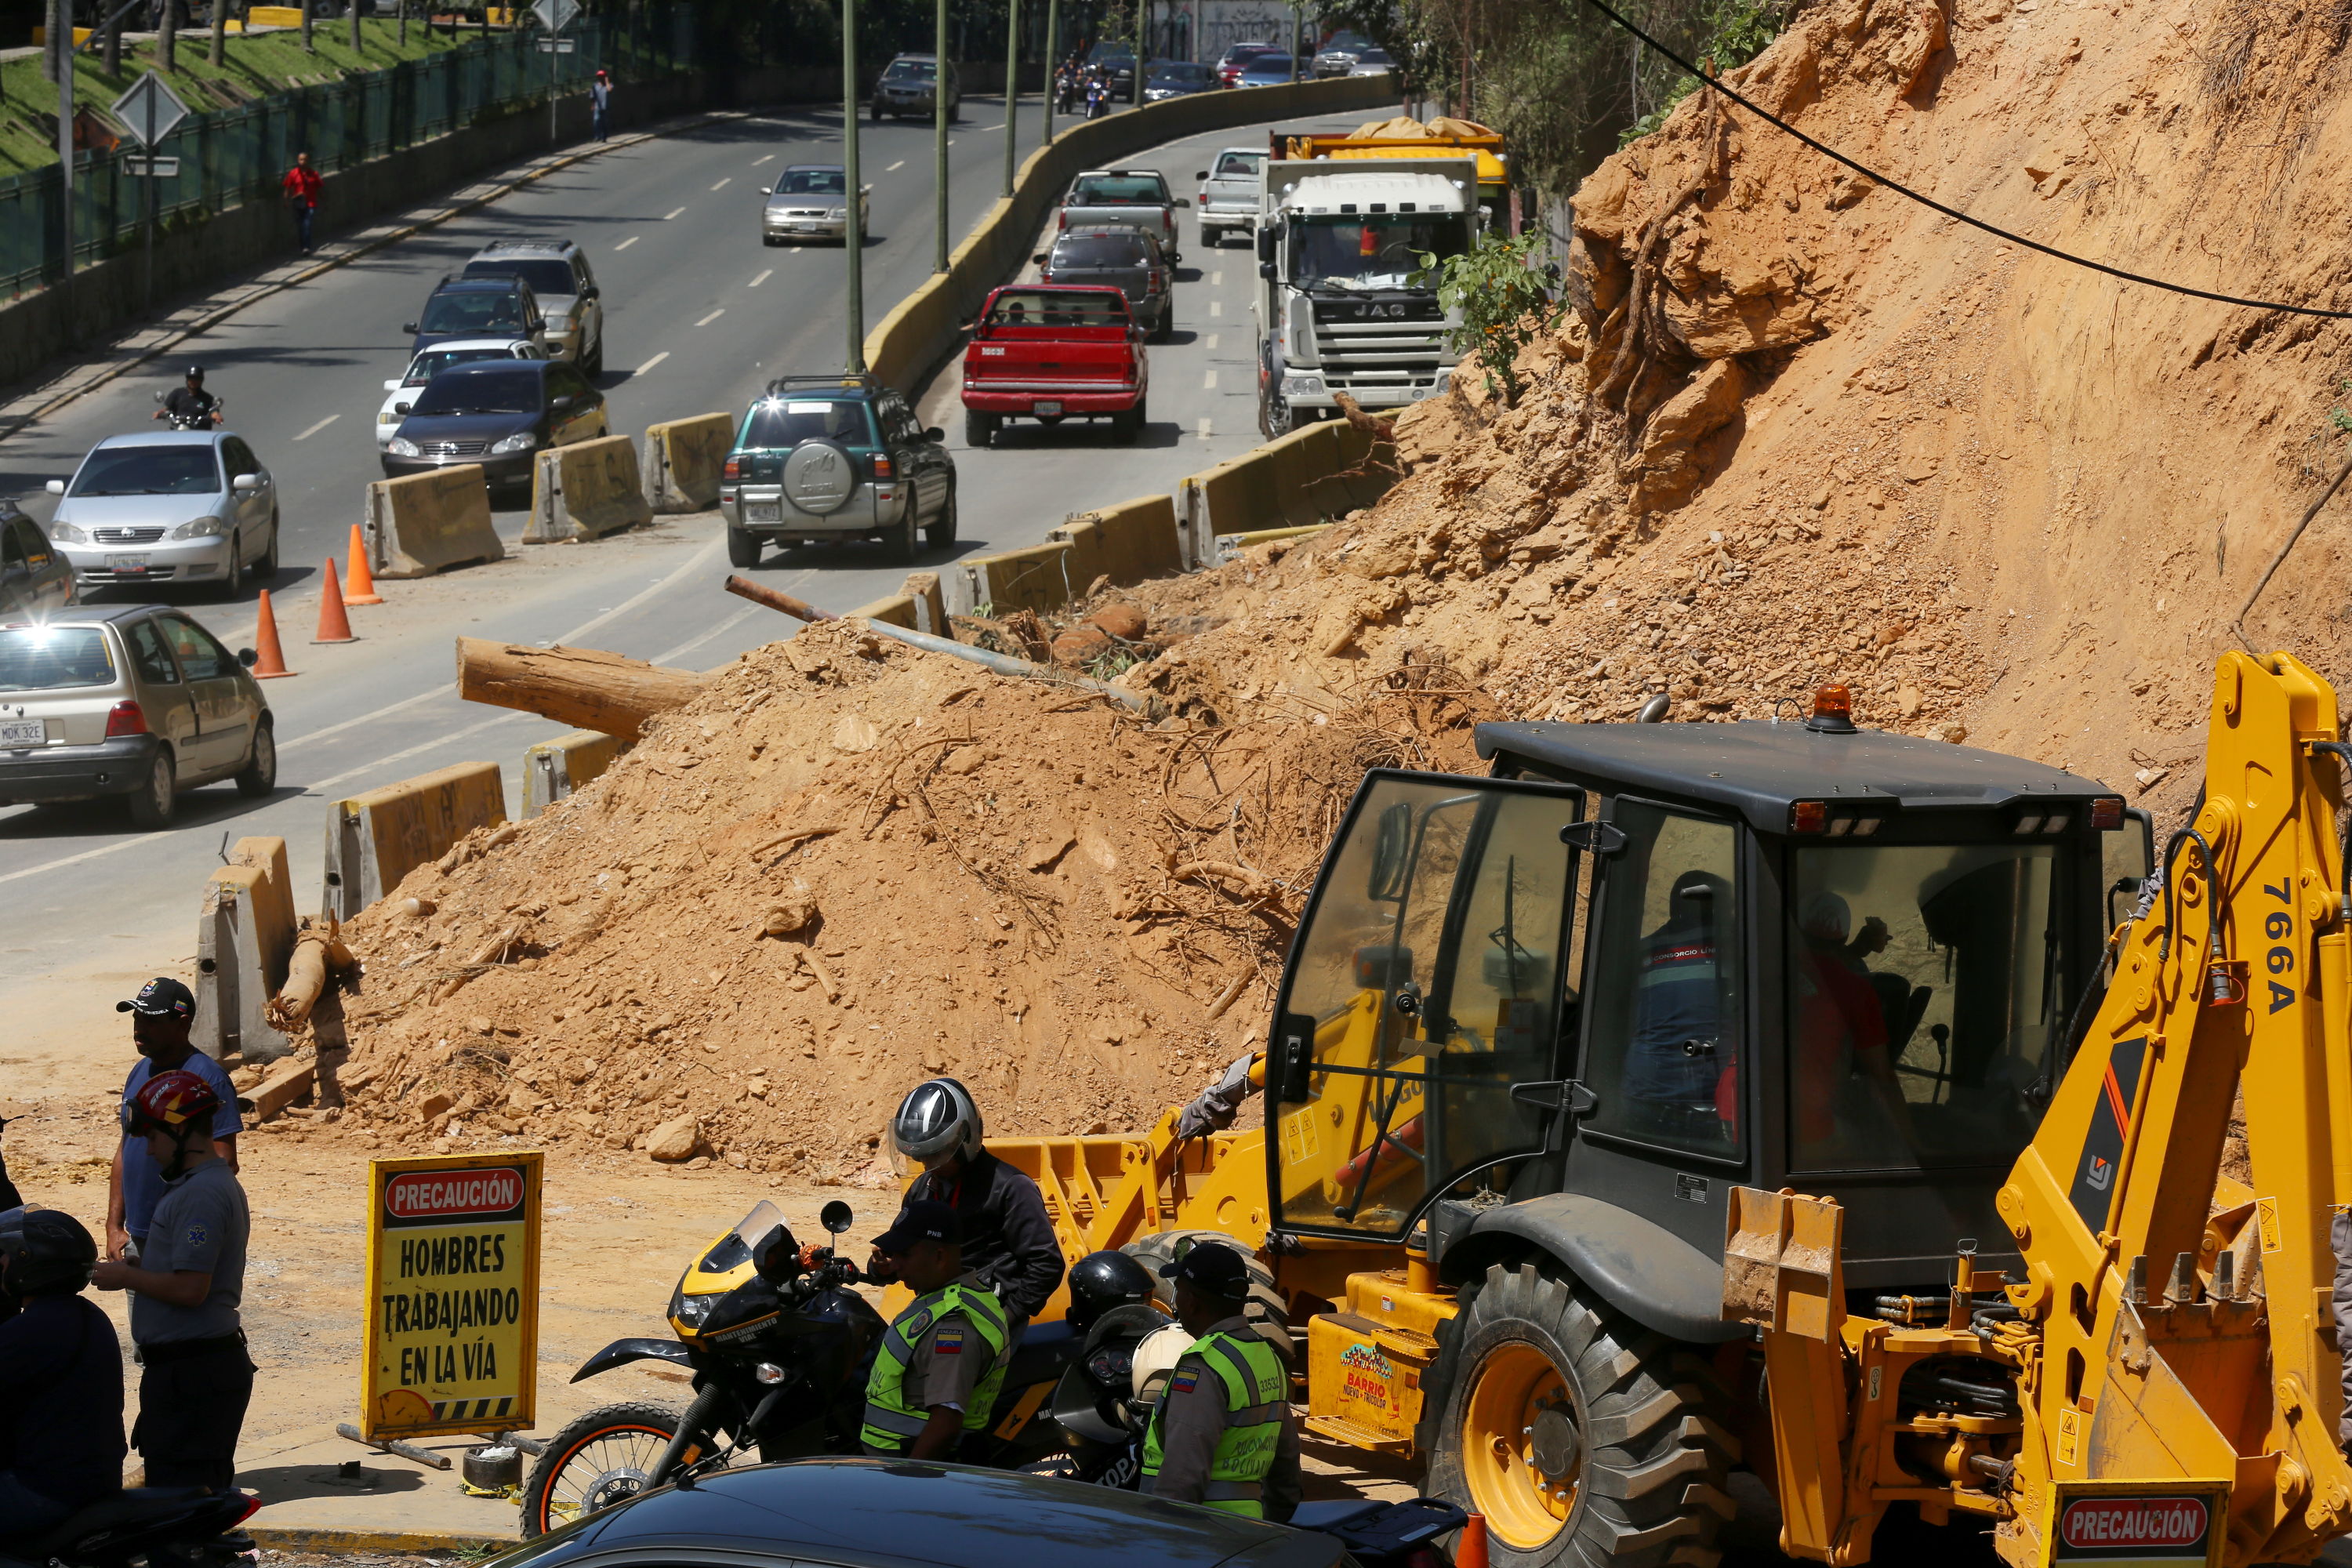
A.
x: 940, y: 534
x: 602, y: 1457
x: 1273, y: 415
x: 1126, y: 425
x: 1526, y: 1375
x: 1266, y: 1311
x: 979, y: 429
x: 743, y: 548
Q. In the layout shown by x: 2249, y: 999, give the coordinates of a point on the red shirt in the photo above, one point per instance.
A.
x: 301, y: 185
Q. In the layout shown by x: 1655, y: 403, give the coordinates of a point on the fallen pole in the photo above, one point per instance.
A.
x: 392, y: 1445
x: 1002, y: 663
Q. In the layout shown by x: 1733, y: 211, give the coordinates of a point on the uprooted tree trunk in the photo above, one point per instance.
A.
x: 582, y: 687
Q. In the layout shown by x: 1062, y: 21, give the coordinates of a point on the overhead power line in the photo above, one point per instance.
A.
x: 1954, y: 213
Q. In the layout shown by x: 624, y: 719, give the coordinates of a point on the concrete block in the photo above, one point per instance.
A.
x: 429, y: 522
x: 376, y: 839
x: 244, y: 932
x: 684, y: 458
x: 552, y: 769
x: 930, y: 603
x: 1038, y: 578
x: 897, y: 610
x: 586, y: 490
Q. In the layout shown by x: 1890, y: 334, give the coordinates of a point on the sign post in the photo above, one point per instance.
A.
x: 554, y: 15
x: 452, y: 1342
x: 150, y: 111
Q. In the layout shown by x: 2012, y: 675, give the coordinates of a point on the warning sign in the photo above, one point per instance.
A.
x: 2106, y: 1525
x: 453, y: 1295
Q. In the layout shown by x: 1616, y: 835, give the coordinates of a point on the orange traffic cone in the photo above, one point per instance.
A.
x: 363, y: 584
x: 1470, y: 1552
x: 271, y: 663
x: 333, y: 625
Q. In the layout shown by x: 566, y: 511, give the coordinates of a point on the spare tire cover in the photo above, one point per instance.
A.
x: 820, y: 476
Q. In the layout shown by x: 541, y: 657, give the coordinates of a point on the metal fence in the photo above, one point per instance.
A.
x: 233, y: 156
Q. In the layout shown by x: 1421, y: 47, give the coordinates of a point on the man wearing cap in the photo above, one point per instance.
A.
x: 942, y: 1361
x: 161, y: 1017
x: 1221, y: 1433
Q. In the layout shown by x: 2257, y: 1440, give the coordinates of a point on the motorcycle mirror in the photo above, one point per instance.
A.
x: 835, y: 1217
x: 159, y: 398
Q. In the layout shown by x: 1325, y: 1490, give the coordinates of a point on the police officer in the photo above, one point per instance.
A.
x: 942, y: 1360
x: 1222, y: 1434
x: 161, y: 1017
x: 1007, y: 1240
x: 60, y: 1377
x: 191, y: 403
x: 185, y: 1289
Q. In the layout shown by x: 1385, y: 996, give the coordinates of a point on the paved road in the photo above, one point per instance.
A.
x: 699, y: 316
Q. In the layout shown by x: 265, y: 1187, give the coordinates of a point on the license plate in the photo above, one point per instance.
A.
x: 25, y: 732
x: 1047, y: 405
x: 129, y: 564
x: 755, y: 513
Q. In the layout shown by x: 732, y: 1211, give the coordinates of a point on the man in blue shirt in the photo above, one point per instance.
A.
x: 161, y: 1017
x: 60, y: 1377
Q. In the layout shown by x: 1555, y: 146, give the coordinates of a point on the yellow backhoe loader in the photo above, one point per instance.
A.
x: 1847, y: 1107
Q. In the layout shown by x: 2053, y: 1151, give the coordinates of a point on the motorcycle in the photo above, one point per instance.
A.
x: 167, y: 1527
x: 780, y: 1349
x: 205, y: 421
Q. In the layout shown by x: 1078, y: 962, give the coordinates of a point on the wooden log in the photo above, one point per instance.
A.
x: 318, y: 956
x: 584, y: 687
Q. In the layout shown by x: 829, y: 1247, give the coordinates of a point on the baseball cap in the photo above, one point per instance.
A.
x: 162, y: 998
x: 1213, y: 1267
x: 924, y: 1219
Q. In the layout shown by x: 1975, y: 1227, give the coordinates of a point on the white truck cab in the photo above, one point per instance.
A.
x: 1338, y: 305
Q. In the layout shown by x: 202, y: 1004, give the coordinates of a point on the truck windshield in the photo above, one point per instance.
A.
x: 1928, y: 990
x: 1239, y: 165
x: 1376, y: 252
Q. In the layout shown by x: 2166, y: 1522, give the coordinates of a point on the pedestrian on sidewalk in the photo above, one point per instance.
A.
x: 185, y: 1291
x: 60, y: 1377
x: 302, y: 187
x: 161, y: 1015
x: 600, y: 103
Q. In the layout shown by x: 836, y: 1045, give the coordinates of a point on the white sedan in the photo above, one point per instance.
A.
x: 431, y: 362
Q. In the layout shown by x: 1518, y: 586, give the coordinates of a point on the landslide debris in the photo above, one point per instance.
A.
x: 846, y: 866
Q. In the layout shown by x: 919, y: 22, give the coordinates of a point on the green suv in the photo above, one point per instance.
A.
x: 835, y: 458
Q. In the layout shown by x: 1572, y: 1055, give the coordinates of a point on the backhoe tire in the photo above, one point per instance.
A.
x: 607, y: 1452
x: 1532, y: 1371
x: 1264, y: 1308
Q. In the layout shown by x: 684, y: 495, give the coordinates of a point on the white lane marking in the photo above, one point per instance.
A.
x: 322, y: 425
x: 763, y: 278
x: 757, y: 162
x: 896, y: 167
x: 728, y: 625
x: 1211, y: 343
x: 421, y: 747
x: 667, y: 216
x: 628, y: 242
x: 712, y: 317
x: 986, y: 129
x: 951, y: 141
x: 1205, y: 431
x: 92, y: 853
x: 1217, y: 307
x: 651, y: 362
x: 723, y: 183
x: 1209, y: 381
x: 1217, y: 279
x: 699, y: 561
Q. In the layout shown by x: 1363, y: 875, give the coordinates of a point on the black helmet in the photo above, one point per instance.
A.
x: 936, y: 1118
x: 1102, y: 1281
x: 196, y: 374
x: 47, y: 1252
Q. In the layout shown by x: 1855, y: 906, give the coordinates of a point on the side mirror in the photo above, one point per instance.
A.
x: 835, y: 1217
x: 1265, y: 245
x: 933, y: 433
x: 55, y: 487
x: 402, y: 408
x: 1038, y: 259
x: 405, y: 326
x: 1265, y: 271
x: 562, y: 402
x: 248, y: 657
x: 245, y: 484
x: 1200, y: 174
x: 1182, y: 201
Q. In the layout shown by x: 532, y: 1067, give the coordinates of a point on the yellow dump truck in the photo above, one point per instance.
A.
x: 1832, y: 1104
x: 1403, y: 137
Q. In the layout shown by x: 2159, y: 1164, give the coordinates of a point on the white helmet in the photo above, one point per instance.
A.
x: 1155, y: 1358
x: 936, y: 1119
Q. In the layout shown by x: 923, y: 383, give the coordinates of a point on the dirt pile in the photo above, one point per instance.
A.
x: 846, y: 866
x: 1800, y: 428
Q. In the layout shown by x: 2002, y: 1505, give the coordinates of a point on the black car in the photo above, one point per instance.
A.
x: 895, y: 1513
x: 1177, y: 79
x: 1127, y: 259
x: 498, y: 413
x: 478, y: 308
x: 833, y: 458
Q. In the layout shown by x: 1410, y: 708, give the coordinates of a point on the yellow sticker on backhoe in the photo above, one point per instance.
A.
x: 2070, y: 1436
x: 2266, y: 1216
x: 1300, y: 1143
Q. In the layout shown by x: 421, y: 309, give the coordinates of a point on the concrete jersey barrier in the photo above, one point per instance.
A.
x: 245, y: 935
x: 552, y: 770
x: 585, y: 490
x: 376, y: 839
x: 425, y: 523
x: 684, y: 458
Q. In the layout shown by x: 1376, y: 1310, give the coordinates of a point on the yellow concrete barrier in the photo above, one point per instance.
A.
x: 376, y: 839
x: 1136, y: 540
x: 273, y: 16
x: 245, y: 934
x: 897, y: 610
x: 585, y: 490
x: 429, y: 522
x: 554, y: 769
x: 1040, y: 578
x: 923, y: 590
x: 684, y: 458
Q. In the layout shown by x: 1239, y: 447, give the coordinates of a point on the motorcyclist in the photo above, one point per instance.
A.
x: 190, y: 406
x: 61, y: 1444
x: 1007, y: 1240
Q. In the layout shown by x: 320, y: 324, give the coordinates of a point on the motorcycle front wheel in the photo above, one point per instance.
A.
x: 602, y: 1457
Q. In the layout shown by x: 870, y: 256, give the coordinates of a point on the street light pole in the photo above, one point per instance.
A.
x: 1012, y: 90
x: 1053, y: 60
x: 61, y: 45
x: 1142, y: 10
x: 940, y: 135
x: 853, y: 229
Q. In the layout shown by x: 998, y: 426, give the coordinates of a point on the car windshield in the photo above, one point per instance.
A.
x: 1057, y: 307
x: 472, y: 313
x: 1242, y: 164
x: 1268, y: 64
x: 1242, y: 53
x: 910, y: 71
x: 177, y: 470
x: 51, y: 658
x: 468, y: 391
x: 1927, y: 987
x: 779, y: 421
x: 1100, y: 250
x: 1373, y: 57
x: 812, y: 183
x: 546, y: 275
x: 432, y: 362
x: 1111, y: 55
x: 1118, y: 191
x: 1178, y: 71
x: 1381, y: 252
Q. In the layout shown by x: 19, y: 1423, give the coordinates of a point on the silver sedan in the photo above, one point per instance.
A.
x: 184, y: 506
x: 807, y: 204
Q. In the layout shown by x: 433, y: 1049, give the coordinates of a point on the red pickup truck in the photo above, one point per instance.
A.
x: 1051, y: 353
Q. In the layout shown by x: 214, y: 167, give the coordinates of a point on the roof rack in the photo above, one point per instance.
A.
x: 865, y: 381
